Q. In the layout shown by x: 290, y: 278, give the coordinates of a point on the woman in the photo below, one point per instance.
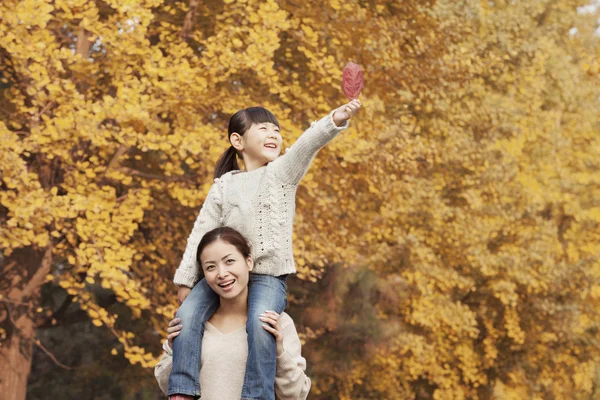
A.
x: 224, y: 255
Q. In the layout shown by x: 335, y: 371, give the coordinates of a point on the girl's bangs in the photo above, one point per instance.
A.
x: 260, y: 115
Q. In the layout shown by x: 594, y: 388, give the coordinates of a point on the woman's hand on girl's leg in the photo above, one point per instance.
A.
x: 272, y: 318
x: 173, y: 330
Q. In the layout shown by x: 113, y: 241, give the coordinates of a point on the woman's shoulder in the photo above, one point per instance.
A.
x: 285, y: 320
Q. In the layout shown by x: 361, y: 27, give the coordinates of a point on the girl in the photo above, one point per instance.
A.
x: 259, y: 202
x: 224, y: 255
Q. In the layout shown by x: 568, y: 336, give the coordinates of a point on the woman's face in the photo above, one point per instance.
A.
x: 226, y: 270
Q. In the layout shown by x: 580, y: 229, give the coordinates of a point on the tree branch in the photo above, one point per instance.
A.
x: 39, y: 278
x: 188, y: 22
x: 18, y: 303
x: 38, y: 344
x: 83, y: 44
x: 115, y: 159
x: 58, y: 363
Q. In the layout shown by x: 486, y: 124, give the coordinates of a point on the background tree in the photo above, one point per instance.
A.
x: 462, y: 200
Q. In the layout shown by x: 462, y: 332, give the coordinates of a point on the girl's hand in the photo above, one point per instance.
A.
x: 345, y: 112
x: 182, y: 293
x: 272, y: 318
x: 173, y: 330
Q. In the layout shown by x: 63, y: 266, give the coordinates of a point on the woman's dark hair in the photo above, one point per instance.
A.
x: 240, y: 122
x: 226, y: 234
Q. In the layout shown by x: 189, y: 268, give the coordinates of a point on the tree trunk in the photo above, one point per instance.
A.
x: 15, y: 356
x: 17, y: 316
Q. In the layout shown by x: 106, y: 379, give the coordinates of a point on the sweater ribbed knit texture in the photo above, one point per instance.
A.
x: 259, y: 204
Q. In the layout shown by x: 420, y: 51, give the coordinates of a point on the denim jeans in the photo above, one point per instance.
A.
x: 265, y: 293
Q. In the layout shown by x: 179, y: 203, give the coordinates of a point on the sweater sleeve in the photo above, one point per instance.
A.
x: 208, y: 219
x: 162, y: 370
x: 292, y: 166
x: 291, y: 383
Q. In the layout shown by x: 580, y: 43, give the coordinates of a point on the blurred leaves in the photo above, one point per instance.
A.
x: 468, y: 185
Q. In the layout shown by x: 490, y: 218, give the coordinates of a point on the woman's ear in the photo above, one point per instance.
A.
x: 250, y: 263
x: 236, y: 141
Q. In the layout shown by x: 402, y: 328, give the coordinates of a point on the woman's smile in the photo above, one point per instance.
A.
x: 227, y: 285
x: 226, y: 269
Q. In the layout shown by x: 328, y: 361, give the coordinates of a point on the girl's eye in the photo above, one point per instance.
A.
x: 208, y: 268
x: 230, y: 261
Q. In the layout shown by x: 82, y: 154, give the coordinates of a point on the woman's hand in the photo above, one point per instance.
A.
x: 182, y: 293
x: 345, y: 112
x: 274, y: 328
x: 173, y: 330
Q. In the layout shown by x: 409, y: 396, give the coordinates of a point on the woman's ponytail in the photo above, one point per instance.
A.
x: 227, y: 162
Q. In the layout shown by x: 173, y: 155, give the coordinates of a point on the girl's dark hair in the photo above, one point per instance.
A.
x: 226, y: 234
x: 240, y: 122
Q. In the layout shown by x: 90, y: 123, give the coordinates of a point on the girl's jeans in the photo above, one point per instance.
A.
x: 266, y: 292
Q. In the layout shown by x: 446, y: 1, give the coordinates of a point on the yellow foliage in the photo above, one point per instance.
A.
x: 471, y: 174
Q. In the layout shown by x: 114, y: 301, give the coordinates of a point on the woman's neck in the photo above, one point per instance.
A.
x: 235, y: 306
x: 231, y: 315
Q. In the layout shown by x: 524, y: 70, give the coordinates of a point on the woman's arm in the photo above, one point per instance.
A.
x: 162, y: 370
x: 208, y: 219
x: 292, y: 166
x: 291, y: 382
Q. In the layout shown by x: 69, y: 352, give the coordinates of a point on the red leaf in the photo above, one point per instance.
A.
x: 352, y: 80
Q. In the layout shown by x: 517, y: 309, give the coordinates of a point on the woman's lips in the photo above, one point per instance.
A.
x: 227, y: 286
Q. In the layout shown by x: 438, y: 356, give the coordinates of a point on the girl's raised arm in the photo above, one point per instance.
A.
x: 208, y: 219
x: 292, y: 166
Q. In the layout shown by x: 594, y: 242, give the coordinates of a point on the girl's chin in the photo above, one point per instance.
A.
x: 271, y: 156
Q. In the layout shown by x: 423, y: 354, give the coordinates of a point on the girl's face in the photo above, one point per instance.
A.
x: 226, y: 270
x: 262, y: 143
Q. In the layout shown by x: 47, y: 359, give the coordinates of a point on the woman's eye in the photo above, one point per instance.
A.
x: 230, y: 261
x: 210, y: 267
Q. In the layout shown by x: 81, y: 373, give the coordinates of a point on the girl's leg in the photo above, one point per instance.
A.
x: 197, y: 308
x: 265, y: 293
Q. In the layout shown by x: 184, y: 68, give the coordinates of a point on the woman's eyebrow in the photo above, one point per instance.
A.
x: 210, y: 261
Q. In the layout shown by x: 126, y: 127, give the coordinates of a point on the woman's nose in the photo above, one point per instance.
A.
x: 222, y: 272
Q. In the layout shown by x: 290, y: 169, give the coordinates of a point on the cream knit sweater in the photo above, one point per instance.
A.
x: 260, y: 204
x: 223, y: 364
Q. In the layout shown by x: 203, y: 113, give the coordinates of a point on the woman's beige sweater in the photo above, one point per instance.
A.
x: 223, y: 364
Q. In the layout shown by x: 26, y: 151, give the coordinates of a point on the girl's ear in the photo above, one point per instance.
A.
x: 236, y: 141
x: 250, y: 263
